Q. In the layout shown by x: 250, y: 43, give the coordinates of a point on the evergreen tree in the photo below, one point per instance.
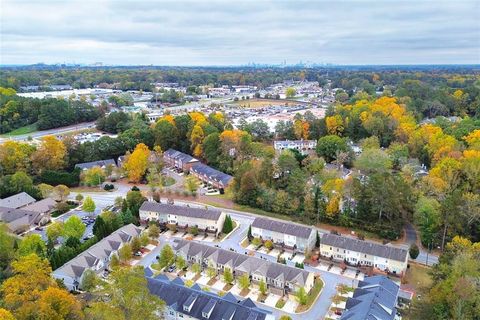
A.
x: 249, y: 234
x: 100, y: 228
x: 317, y: 241
x: 127, y: 217
x: 227, y: 225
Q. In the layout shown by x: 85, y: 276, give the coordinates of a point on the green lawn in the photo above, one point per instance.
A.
x: 22, y: 130
x: 312, y: 296
x: 168, y: 181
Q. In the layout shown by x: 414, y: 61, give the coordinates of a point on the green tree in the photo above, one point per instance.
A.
x: 167, y: 256
x: 428, y: 217
x: 88, y: 205
x: 153, y: 231
x: 32, y: 243
x: 262, y: 287
x: 249, y: 233
x: 180, y: 263
x: 290, y: 92
x: 196, y: 268
x: 128, y: 295
x: 73, y: 227
x: 191, y: 184
x: 79, y: 197
x: 114, y: 262
x: 244, y: 281
x: 227, y: 276
x: 54, y: 230
x: 100, y: 229
x: 329, y: 146
x: 93, y: 177
x: 227, y: 225
x: 136, y: 244
x: 125, y: 253
x: 166, y: 134
x: 301, y: 296
x: 211, y: 272
x: 89, y: 280
x: 414, y: 251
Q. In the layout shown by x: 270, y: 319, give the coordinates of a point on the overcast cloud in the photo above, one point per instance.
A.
x: 238, y: 32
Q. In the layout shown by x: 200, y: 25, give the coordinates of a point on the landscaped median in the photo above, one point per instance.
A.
x: 311, y: 297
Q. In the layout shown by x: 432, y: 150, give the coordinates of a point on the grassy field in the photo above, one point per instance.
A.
x: 311, y: 297
x: 260, y: 103
x: 418, y: 278
x: 22, y: 130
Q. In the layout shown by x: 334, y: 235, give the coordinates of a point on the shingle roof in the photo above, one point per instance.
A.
x: 16, y: 219
x: 17, y: 200
x: 209, y: 214
x: 174, y: 154
x: 98, y: 251
x: 375, y: 298
x: 99, y: 163
x: 211, y: 173
x: 364, y: 247
x: 243, y: 262
x: 282, y: 227
x: 42, y: 206
x: 176, y: 296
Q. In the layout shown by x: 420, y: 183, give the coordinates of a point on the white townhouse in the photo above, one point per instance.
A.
x: 208, y: 220
x: 359, y: 252
x: 96, y: 258
x: 288, y: 235
x: 304, y: 146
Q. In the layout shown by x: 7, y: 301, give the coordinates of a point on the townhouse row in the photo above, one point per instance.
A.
x: 363, y: 253
x: 21, y: 212
x: 186, y: 163
x: 280, y: 279
x: 207, y: 220
x: 287, y: 236
x: 182, y: 302
x: 95, y: 258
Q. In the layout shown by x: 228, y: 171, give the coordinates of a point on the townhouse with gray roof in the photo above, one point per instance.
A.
x: 280, y: 279
x: 100, y: 163
x: 363, y: 253
x: 20, y: 211
x: 96, y: 258
x: 194, y: 303
x: 208, y: 220
x: 210, y: 176
x: 375, y: 298
x: 17, y: 200
x: 179, y: 160
x: 287, y: 236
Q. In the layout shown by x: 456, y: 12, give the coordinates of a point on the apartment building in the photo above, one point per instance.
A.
x: 208, y: 220
x: 288, y: 236
x: 304, y: 146
x: 96, y: 258
x: 359, y: 252
x: 179, y: 160
x: 210, y: 176
x: 280, y: 279
x: 100, y: 163
x: 193, y: 303
x: 374, y: 298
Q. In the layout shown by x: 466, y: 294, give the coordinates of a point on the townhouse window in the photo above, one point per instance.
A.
x: 330, y: 248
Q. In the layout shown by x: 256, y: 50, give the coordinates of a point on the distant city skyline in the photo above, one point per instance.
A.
x: 224, y: 33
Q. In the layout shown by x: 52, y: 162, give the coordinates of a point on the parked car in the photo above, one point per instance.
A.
x: 39, y: 228
x: 171, y: 269
x: 138, y: 254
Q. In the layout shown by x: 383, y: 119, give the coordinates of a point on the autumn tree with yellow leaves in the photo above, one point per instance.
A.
x: 137, y: 163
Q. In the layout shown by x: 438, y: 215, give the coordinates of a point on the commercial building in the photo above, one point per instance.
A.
x: 207, y: 220
x: 210, y: 176
x: 374, y: 298
x: 96, y: 258
x: 288, y: 236
x: 179, y: 160
x: 363, y: 253
x: 280, y: 279
x: 194, y: 303
x: 303, y: 146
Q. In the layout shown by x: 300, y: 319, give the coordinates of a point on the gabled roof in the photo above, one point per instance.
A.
x: 177, y: 295
x: 100, y: 250
x: 209, y: 214
x: 99, y: 163
x: 242, y: 262
x: 177, y: 155
x: 43, y: 206
x: 365, y: 247
x: 17, y: 200
x: 211, y: 173
x: 283, y: 227
x: 375, y: 298
x: 17, y: 219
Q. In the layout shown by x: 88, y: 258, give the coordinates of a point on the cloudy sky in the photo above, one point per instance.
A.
x: 236, y: 32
